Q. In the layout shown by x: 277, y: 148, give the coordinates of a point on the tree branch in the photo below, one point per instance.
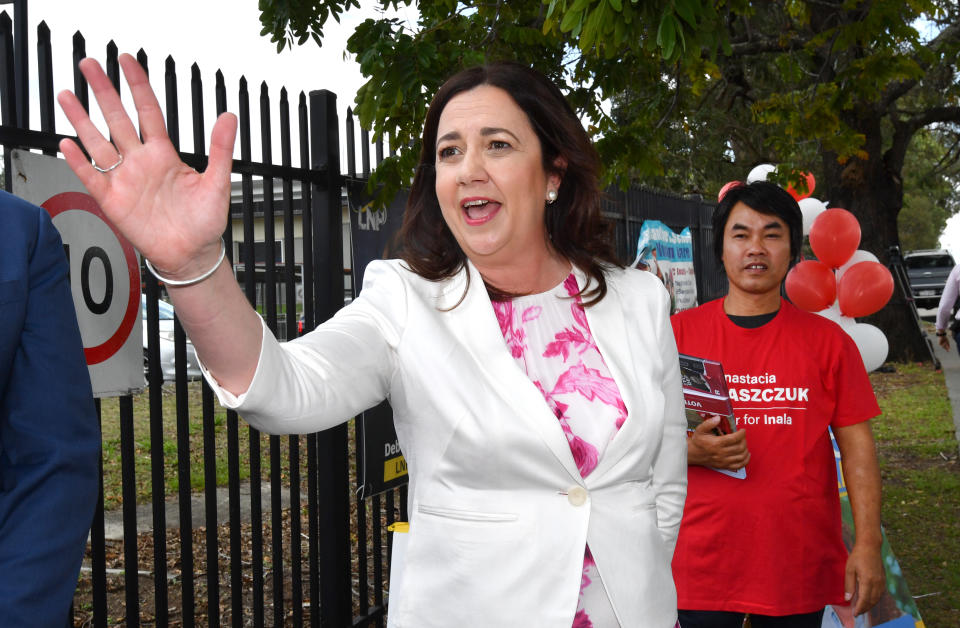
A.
x: 931, y: 115
x: 904, y: 130
x: 763, y: 46
x: 949, y: 35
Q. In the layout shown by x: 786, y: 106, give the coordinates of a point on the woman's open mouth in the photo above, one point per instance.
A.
x: 477, y: 211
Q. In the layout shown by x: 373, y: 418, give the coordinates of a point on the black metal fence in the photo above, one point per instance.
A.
x: 293, y: 565
x: 314, y: 553
x: 627, y: 209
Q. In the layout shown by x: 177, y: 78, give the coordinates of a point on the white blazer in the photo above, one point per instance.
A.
x: 499, y: 514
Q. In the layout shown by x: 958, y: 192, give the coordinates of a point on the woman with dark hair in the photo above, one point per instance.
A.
x: 534, y: 382
x: 573, y: 222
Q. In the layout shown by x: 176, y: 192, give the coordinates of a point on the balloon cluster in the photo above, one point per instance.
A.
x: 844, y: 283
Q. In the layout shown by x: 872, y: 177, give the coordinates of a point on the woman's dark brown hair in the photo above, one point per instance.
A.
x: 573, y: 222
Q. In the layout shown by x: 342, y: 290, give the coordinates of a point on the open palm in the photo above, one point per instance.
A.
x: 171, y: 213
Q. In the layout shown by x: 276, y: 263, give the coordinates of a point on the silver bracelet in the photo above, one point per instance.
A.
x: 188, y: 282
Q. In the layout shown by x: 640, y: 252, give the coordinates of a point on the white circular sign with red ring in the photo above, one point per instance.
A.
x: 104, y: 274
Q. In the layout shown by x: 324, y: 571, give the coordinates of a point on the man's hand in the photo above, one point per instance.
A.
x: 864, y: 580
x: 721, y: 452
x: 944, y: 342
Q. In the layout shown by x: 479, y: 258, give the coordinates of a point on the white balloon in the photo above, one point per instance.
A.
x: 833, y: 313
x: 872, y: 344
x: 846, y: 321
x: 810, y: 208
x: 858, y: 256
x: 759, y: 173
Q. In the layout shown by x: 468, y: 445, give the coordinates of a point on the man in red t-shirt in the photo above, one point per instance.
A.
x: 770, y: 545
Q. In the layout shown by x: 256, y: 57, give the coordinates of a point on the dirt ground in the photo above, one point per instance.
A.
x: 116, y: 593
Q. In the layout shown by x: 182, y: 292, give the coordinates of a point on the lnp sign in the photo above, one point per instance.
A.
x: 104, y: 272
x: 372, y: 233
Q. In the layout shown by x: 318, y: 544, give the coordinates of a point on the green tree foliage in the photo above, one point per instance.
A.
x: 688, y: 94
x: 931, y: 190
x: 585, y: 44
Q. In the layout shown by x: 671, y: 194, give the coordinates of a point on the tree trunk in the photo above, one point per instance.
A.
x: 874, y: 193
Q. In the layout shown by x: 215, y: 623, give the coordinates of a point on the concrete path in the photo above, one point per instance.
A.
x: 950, y: 362
x: 113, y: 519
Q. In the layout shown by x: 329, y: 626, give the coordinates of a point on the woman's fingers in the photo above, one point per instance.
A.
x: 95, y: 183
x: 98, y: 147
x: 222, y: 139
x: 122, y: 131
x: 149, y: 114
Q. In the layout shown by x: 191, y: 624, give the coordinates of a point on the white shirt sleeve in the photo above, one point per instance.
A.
x: 948, y: 298
x: 670, y: 467
x: 331, y: 374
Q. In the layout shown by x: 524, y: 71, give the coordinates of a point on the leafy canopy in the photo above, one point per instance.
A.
x: 690, y: 94
x: 595, y: 47
x: 684, y: 94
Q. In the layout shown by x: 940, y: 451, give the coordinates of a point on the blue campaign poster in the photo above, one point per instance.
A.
x: 896, y: 609
x: 669, y: 256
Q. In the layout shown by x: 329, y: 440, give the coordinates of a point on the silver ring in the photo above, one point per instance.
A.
x: 108, y: 168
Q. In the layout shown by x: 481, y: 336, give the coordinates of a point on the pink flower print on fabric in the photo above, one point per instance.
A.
x: 581, y: 620
x: 579, y: 315
x: 584, y: 454
x: 531, y: 313
x: 550, y: 339
x: 588, y: 562
x: 514, y: 335
x: 589, y: 383
x: 579, y: 336
x: 565, y: 341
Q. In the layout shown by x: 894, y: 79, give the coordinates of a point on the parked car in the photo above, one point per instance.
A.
x: 167, y: 351
x: 927, y: 271
x: 302, y: 321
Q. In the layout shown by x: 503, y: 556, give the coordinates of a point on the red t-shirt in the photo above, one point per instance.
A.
x: 771, y: 544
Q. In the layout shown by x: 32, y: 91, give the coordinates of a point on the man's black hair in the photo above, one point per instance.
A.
x: 765, y: 198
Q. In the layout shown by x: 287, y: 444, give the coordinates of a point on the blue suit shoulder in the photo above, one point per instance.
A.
x: 49, y: 433
x: 22, y: 223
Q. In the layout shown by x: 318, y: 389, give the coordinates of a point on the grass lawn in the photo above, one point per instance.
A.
x: 110, y: 425
x: 921, y: 487
x: 915, y: 436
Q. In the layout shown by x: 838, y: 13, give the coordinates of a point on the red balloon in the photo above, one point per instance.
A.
x: 811, y: 286
x: 834, y: 236
x: 864, y: 289
x: 726, y: 188
x: 811, y: 183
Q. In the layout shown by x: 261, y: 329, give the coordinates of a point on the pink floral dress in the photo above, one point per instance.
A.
x: 549, y: 338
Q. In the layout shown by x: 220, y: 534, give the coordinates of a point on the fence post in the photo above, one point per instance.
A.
x: 8, y: 89
x: 332, y: 470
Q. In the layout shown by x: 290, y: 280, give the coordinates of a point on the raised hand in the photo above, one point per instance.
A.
x: 171, y: 213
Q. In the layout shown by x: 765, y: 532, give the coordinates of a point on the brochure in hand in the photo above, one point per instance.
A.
x: 705, y: 394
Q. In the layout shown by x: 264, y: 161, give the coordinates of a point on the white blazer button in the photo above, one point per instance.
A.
x: 577, y: 495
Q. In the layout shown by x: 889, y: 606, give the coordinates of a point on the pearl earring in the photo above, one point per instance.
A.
x: 551, y: 196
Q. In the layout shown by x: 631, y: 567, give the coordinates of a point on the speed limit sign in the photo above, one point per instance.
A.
x: 104, y: 272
